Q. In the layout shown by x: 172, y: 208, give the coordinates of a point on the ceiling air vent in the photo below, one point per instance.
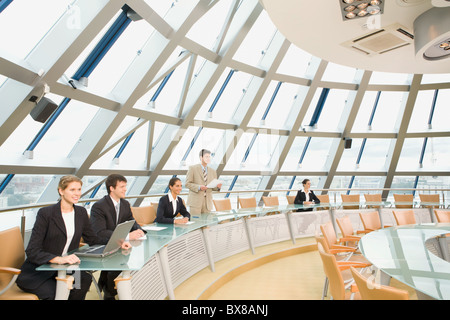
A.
x: 381, y: 41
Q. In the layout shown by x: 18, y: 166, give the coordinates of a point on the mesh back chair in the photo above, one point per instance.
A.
x: 342, y: 258
x: 324, y: 199
x: 346, y: 227
x: 442, y: 216
x: 12, y: 256
x: 247, y: 202
x: 144, y: 215
x: 371, y: 221
x: 371, y: 291
x: 403, y: 198
x: 404, y: 217
x: 290, y: 199
x: 270, y: 201
x: 222, y: 204
x: 330, y: 236
x: 346, y: 198
x: 433, y: 198
x: 373, y: 198
x: 333, y: 272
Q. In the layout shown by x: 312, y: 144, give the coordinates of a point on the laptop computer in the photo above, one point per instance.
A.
x: 115, y: 242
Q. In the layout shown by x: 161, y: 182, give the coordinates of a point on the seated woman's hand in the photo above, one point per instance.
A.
x: 70, y: 259
x: 181, y: 221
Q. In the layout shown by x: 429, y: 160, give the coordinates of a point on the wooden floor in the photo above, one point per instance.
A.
x: 267, y: 275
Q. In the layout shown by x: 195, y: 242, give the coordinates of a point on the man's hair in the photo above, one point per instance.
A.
x: 112, y: 179
x: 203, y: 152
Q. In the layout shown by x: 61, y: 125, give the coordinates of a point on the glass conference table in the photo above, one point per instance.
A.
x: 401, y: 252
x: 155, y: 242
x: 160, y: 236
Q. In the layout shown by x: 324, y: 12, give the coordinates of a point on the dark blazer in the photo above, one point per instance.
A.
x: 165, y: 212
x: 103, y: 217
x: 47, y: 241
x: 301, y: 196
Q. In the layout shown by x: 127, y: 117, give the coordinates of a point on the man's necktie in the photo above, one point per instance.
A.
x: 205, y: 177
x: 117, y: 212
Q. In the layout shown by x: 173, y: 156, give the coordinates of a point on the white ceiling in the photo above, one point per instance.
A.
x: 318, y: 28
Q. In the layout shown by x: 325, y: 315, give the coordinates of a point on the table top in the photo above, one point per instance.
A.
x: 401, y: 253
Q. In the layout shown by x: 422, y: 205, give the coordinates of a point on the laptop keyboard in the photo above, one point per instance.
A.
x: 97, y: 250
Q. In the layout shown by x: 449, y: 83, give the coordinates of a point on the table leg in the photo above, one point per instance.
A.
x: 123, y: 285
x: 166, y: 272
x: 63, y: 285
x: 289, y: 223
x: 208, y: 248
x: 381, y: 217
x: 249, y: 235
x: 332, y: 213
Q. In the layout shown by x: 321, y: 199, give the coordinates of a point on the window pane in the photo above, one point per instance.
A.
x: 332, y: 110
x: 30, y: 21
x: 373, y: 157
x: 402, y: 184
x: 339, y: 73
x: 206, y: 30
x: 24, y: 189
x: 317, y: 154
x: 256, y: 41
x: 280, y: 108
x: 389, y: 78
x: 294, y: 154
x: 295, y: 62
x: 436, y: 78
x: 388, y: 112
x: 229, y: 99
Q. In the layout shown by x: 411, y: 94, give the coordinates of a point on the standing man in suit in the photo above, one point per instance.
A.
x: 197, y: 178
x: 106, y: 214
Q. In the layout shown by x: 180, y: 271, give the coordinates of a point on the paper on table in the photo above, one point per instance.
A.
x: 153, y: 228
x: 214, y: 183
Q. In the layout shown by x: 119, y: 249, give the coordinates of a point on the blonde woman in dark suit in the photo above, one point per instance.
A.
x: 58, y: 230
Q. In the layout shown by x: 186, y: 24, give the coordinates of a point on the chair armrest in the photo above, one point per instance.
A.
x: 15, y: 272
x: 350, y: 249
x: 350, y: 238
x: 8, y: 270
x: 345, y: 266
x: 336, y: 251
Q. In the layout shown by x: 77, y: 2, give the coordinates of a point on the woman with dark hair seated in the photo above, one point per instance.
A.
x: 171, y: 205
x: 306, y: 196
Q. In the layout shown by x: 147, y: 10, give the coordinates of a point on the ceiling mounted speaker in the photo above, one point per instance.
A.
x: 432, y: 34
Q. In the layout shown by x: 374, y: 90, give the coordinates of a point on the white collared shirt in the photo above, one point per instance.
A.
x: 69, y: 221
x: 174, y: 202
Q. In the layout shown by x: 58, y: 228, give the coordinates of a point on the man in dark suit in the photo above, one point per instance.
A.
x: 106, y: 214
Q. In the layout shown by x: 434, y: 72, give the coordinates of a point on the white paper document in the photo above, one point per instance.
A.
x: 214, y: 183
x: 153, y: 228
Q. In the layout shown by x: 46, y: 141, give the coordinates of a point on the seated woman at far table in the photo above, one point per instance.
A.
x: 171, y: 205
x: 306, y: 196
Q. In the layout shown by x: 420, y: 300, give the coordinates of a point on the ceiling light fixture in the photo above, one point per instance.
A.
x: 432, y: 34
x: 352, y: 9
